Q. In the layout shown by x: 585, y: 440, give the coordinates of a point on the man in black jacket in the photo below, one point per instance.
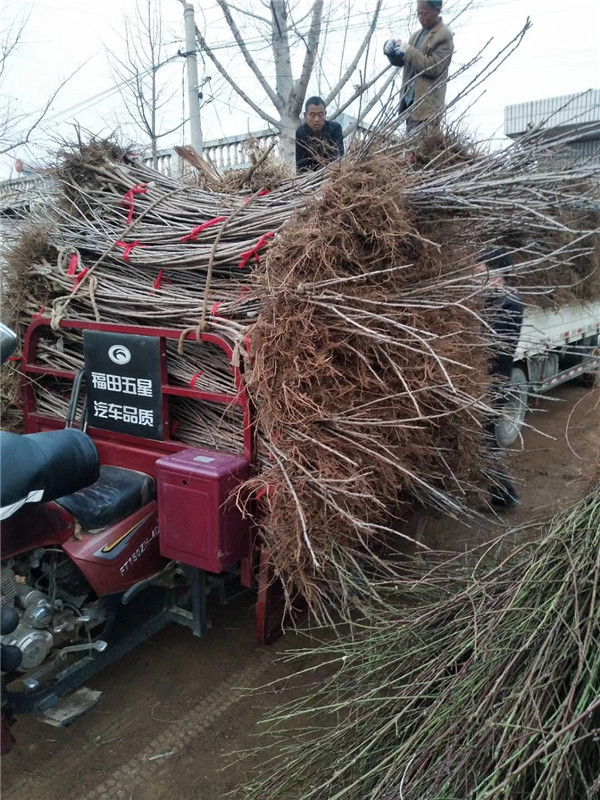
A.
x: 317, y: 140
x: 504, y: 315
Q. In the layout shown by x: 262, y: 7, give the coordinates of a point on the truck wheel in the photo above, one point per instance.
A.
x: 508, y: 427
x: 591, y: 378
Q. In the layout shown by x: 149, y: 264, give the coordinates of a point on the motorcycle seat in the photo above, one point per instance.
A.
x: 37, y: 467
x: 116, y: 494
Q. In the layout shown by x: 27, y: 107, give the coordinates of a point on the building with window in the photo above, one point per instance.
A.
x: 576, y: 116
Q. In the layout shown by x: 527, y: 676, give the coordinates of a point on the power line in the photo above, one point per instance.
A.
x: 82, y: 105
x: 86, y: 102
x: 354, y: 22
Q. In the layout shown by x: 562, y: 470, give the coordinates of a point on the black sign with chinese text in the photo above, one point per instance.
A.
x: 124, y: 383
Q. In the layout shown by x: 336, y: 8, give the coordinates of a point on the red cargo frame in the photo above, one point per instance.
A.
x: 133, y: 452
x: 35, y: 421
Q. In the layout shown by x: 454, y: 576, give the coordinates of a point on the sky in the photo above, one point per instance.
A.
x: 559, y: 55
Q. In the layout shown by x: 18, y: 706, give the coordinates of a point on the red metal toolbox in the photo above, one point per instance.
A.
x: 199, y: 522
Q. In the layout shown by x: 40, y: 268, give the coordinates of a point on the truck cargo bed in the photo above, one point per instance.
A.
x: 548, y: 328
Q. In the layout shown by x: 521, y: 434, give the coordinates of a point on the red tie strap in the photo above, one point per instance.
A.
x: 194, y: 378
x: 253, y: 252
x: 260, y: 194
x: 40, y: 313
x: 128, y: 247
x: 191, y: 237
x: 162, y: 278
x: 80, y: 277
x: 269, y: 490
x: 73, y: 264
x: 214, y: 312
x: 140, y: 188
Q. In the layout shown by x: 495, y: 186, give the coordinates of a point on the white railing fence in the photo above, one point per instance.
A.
x: 230, y: 152
x: 227, y: 153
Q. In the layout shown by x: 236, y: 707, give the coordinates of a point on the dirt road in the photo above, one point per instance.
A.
x: 173, y: 709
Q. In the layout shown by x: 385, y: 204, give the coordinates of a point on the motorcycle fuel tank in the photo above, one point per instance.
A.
x: 121, y: 554
x: 199, y: 521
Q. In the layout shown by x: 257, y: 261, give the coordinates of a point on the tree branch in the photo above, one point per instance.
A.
x: 250, y: 14
x: 136, y: 65
x: 294, y: 24
x: 280, y: 43
x: 9, y: 43
x: 354, y: 125
x: 176, y: 128
x: 360, y: 90
x: 40, y: 116
x: 248, y: 58
x: 354, y: 63
x: 236, y: 88
x: 128, y: 74
x: 312, y: 46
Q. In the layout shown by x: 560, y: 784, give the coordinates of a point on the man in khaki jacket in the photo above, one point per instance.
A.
x: 426, y: 60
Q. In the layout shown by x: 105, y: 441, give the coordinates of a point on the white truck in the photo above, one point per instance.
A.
x: 556, y: 345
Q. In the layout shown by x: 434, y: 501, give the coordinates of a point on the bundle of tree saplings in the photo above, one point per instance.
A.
x: 527, y: 198
x: 124, y: 243
x: 369, y: 374
x: 349, y: 299
x: 472, y: 681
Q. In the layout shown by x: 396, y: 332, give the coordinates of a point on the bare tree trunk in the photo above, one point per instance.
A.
x: 287, y: 137
x: 284, y: 82
x: 153, y: 136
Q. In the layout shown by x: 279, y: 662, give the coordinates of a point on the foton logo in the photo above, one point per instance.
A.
x: 119, y: 354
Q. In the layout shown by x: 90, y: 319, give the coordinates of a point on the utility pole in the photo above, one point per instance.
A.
x: 192, y: 76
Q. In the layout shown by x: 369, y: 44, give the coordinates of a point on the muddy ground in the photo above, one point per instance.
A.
x: 173, y: 709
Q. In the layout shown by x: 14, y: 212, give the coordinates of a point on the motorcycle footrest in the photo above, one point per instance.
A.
x: 70, y: 707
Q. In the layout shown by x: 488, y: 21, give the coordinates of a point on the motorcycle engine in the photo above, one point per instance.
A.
x: 45, y: 622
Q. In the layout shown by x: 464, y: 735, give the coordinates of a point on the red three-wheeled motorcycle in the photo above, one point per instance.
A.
x: 111, y: 525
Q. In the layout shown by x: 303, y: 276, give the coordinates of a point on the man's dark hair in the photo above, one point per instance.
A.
x: 498, y: 260
x: 435, y: 4
x: 314, y: 101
